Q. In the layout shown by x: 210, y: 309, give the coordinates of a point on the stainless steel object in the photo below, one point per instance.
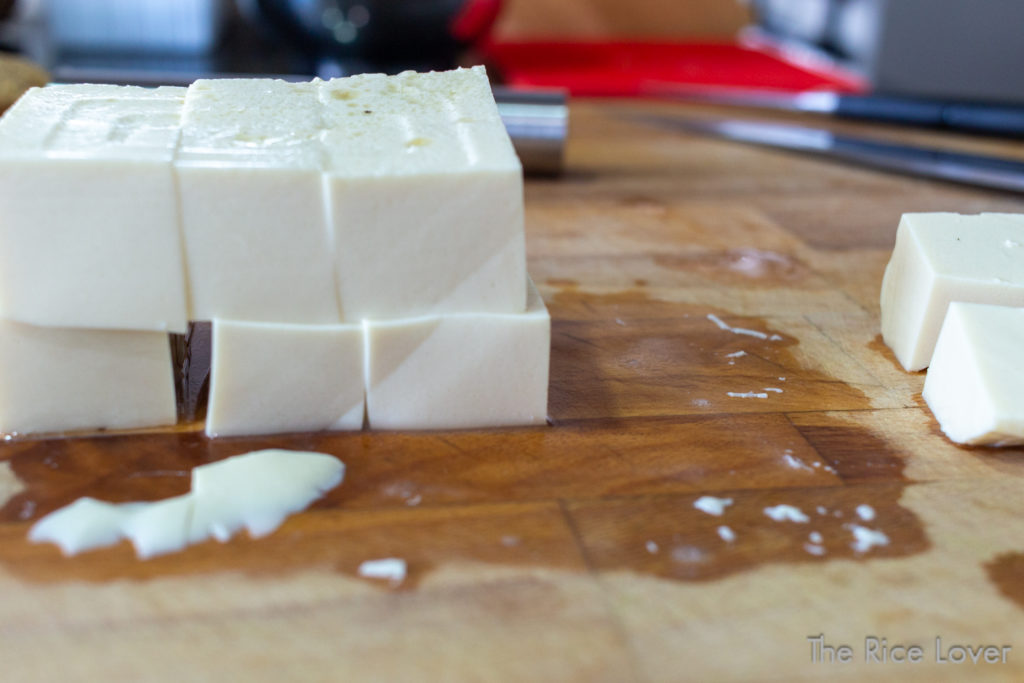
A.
x: 974, y: 117
x: 538, y: 123
x: 971, y: 169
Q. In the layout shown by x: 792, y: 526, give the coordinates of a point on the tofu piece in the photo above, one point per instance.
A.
x: 90, y: 234
x: 459, y: 370
x: 975, y: 380
x: 158, y: 528
x: 277, y: 484
x: 944, y: 257
x: 83, y: 525
x: 61, y: 379
x: 249, y: 173
x: 424, y: 196
x: 268, y: 378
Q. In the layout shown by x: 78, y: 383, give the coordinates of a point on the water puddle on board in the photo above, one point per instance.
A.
x: 611, y: 485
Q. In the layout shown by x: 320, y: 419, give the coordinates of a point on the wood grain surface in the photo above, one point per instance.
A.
x: 574, y: 552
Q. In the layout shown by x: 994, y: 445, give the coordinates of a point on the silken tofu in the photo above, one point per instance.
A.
x: 359, y: 235
x: 60, y: 379
x: 268, y: 378
x: 945, y: 257
x: 976, y: 377
x: 424, y: 196
x: 459, y: 370
x: 89, y: 235
x: 249, y: 172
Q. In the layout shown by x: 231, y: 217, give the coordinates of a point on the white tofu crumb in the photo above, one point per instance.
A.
x: 865, y: 539
x: 652, y: 547
x: 794, y: 462
x: 711, y: 505
x: 278, y: 483
x: 391, y: 569
x: 688, y: 554
x: 510, y: 541
x: 812, y: 549
x: 701, y: 402
x: 736, y: 354
x: 782, y: 513
x: 815, y: 537
x: 821, y: 510
x: 775, y: 389
x: 726, y: 534
x: 747, y: 394
x: 866, y: 512
x: 722, y: 325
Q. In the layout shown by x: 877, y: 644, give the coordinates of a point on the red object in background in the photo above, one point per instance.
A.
x: 653, y: 69
x: 474, y: 20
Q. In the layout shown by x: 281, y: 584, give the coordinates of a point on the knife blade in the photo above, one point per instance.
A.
x: 989, y: 119
x: 970, y: 169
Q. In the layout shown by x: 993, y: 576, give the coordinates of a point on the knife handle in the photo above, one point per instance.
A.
x: 890, y: 109
x: 975, y: 118
x: 991, y: 119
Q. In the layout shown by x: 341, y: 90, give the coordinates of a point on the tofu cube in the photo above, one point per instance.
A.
x: 944, y: 257
x: 268, y: 378
x: 249, y: 173
x: 976, y: 377
x: 90, y: 234
x: 61, y: 379
x: 459, y: 370
x: 424, y: 196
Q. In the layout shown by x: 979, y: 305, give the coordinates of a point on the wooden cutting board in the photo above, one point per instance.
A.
x: 574, y: 552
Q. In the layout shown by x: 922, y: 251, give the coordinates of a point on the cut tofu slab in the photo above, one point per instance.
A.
x: 268, y: 378
x: 90, y: 230
x: 976, y: 376
x: 249, y: 172
x: 461, y: 370
x: 424, y: 196
x: 944, y: 257
x: 62, y: 379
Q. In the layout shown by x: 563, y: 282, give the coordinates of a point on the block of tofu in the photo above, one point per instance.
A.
x: 459, y: 370
x: 268, y: 378
x: 424, y: 196
x: 976, y: 376
x: 62, y: 379
x: 249, y: 173
x: 90, y: 233
x: 944, y: 257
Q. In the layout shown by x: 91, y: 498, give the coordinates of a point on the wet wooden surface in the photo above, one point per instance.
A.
x: 574, y: 552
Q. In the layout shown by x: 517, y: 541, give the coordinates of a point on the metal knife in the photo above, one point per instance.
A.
x: 989, y: 119
x: 971, y: 169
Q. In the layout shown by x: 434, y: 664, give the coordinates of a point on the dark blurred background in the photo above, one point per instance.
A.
x: 949, y: 49
x: 326, y: 37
